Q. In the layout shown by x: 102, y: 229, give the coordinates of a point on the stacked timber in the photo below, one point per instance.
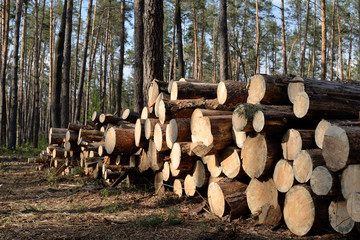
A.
x: 261, y: 149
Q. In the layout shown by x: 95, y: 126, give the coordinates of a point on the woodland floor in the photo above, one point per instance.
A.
x: 35, y: 205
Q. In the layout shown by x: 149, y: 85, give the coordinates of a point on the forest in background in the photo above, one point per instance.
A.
x: 63, y: 59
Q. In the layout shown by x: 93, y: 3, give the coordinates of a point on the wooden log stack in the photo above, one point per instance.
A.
x: 262, y: 148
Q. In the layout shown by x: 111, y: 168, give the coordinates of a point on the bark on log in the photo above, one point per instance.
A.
x: 109, y: 118
x: 120, y: 140
x: 58, y: 131
x: 262, y: 200
x: 228, y: 196
x: 258, y: 154
x: 268, y: 89
x: 341, y: 147
x: 130, y: 116
x: 323, y: 106
x: 302, y: 212
x: 201, y: 150
x: 187, y: 90
x: 77, y: 127
x: 58, y: 153
x: 339, y: 218
x: 91, y: 135
x: 304, y: 163
x: 144, y: 162
x: 180, y: 160
x: 283, y: 175
x: 231, y: 92
x: 94, y: 146
x: 56, y: 138
x: 350, y: 180
x: 295, y: 140
x: 315, y: 87
x: 178, y: 130
x: 71, y: 135
x: 95, y: 117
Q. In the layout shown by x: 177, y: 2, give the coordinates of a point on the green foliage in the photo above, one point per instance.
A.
x: 104, y: 193
x: 112, y: 208
x: 248, y: 110
x: 174, y: 217
x: 51, y: 180
x: 151, y: 221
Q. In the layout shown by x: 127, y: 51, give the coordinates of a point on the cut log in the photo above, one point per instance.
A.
x: 350, y: 180
x: 206, y: 129
x: 154, y: 90
x: 189, y: 186
x: 200, y: 176
x: 320, y: 132
x: 325, y: 106
x: 315, y: 87
x: 353, y: 206
x: 242, y: 117
x: 304, y: 163
x: 258, y: 154
x: 76, y: 126
x: 94, y: 146
x: 91, y: 135
x: 102, y: 150
x: 160, y: 137
x: 324, y: 183
x: 71, y: 135
x: 109, y: 118
x: 140, y: 140
x: 134, y: 161
x: 156, y: 158
x: 178, y: 130
x: 149, y: 127
x: 120, y: 140
x: 231, y: 92
x: 188, y: 90
x: 50, y: 148
x: 339, y: 218
x: 145, y: 114
x: 231, y: 163
x: 166, y: 171
x: 213, y: 163
x: 130, y: 116
x: 56, y: 138
x: 283, y: 175
x: 303, y: 212
x: 112, y: 168
x: 341, y: 147
x: 294, y: 140
x: 268, y: 89
x: 162, y: 96
x: 180, y: 160
x: 228, y: 197
x: 109, y: 175
x: 262, y: 200
x: 58, y: 153
x: 144, y: 162
x: 239, y: 137
x: 36, y: 160
x: 201, y: 150
x: 178, y: 189
x: 95, y: 117
x: 71, y: 146
x: 58, y: 131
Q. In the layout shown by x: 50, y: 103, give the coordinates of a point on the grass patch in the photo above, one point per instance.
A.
x: 112, y: 208
x: 24, y: 151
x: 81, y: 208
x: 104, y: 193
x: 151, y: 220
x: 174, y: 217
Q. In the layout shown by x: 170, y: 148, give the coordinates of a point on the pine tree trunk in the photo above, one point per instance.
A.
x: 348, y: 75
x: 323, y: 40
x: 58, y: 66
x: 340, y: 44
x: 14, y: 83
x: 283, y: 38
x: 121, y: 62
x: 76, y: 63
x: 332, y: 42
x: 223, y: 39
x: 36, y: 74
x: 153, y: 43
x: 83, y: 63
x: 179, y: 38
x: 302, y: 60
x: 257, y: 69
x: 139, y: 48
x: 214, y: 53
x: 195, y: 72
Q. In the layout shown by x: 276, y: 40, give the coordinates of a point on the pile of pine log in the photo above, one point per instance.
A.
x: 276, y: 148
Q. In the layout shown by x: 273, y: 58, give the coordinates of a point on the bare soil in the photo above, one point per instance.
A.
x: 36, y: 205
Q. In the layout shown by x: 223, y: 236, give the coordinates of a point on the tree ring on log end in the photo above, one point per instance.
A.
x: 301, y: 104
x: 174, y: 91
x: 283, y: 176
x: 302, y: 166
x: 189, y: 185
x: 339, y: 218
x: 258, y: 121
x: 110, y: 140
x: 295, y: 86
x: 257, y: 89
x: 320, y: 132
x: 216, y: 199
x: 353, y: 206
x: 221, y: 93
x: 178, y: 190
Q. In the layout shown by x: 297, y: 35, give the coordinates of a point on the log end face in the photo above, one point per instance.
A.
x: 147, y: 128
x: 174, y: 91
x: 291, y: 144
x: 339, y: 218
x: 353, y: 206
x: 138, y: 130
x: 189, y: 186
x: 256, y: 90
x: 239, y: 120
x: 320, y: 130
x: 102, y: 118
x: 335, y: 148
x: 283, y: 176
x: 178, y: 190
x: 254, y: 155
x: 125, y: 114
x: 175, y: 155
x: 239, y: 137
x: 213, y: 164
x: 321, y: 181
x: 144, y: 113
x: 216, y: 199
x: 350, y: 180
x: 221, y: 93
x: 259, y: 121
x: 299, y: 210
x: 110, y: 140
x: 302, y: 166
x: 158, y: 137
x: 199, y: 174
x: 173, y: 130
x: 94, y: 116
x: 295, y: 87
x: 166, y: 171
x: 162, y: 112
x: 301, y: 104
x: 231, y: 165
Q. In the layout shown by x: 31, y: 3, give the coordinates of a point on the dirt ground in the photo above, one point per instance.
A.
x: 36, y: 205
